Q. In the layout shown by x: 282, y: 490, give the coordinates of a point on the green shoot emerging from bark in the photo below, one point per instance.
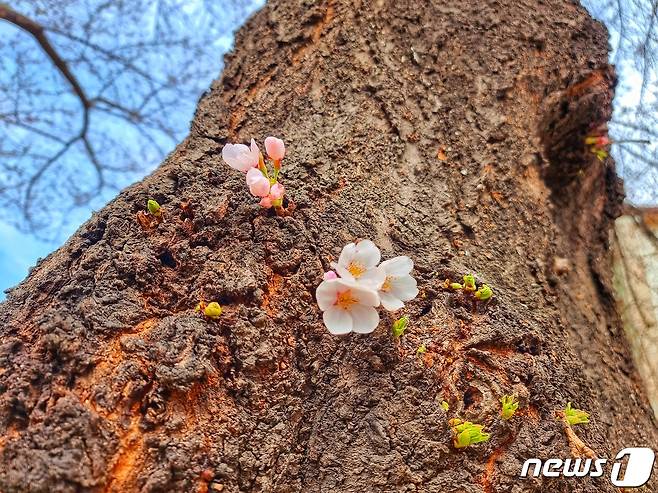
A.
x: 469, y: 282
x: 484, y: 293
x: 153, y: 207
x: 510, y: 405
x: 422, y: 349
x: 467, y: 433
x: 445, y: 406
x: 575, y: 416
x: 212, y: 310
x: 399, y: 326
x: 470, y: 290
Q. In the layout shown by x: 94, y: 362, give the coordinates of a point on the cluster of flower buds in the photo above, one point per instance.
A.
x: 349, y: 295
x: 483, y: 293
x: 250, y: 161
x: 598, y: 145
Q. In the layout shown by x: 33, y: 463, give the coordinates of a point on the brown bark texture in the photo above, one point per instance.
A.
x: 448, y: 131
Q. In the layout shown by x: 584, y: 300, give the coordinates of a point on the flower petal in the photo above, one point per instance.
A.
x: 373, y: 278
x: 338, y: 321
x: 390, y: 302
x: 347, y: 254
x: 342, y: 272
x: 365, y: 319
x: 405, y: 288
x: 362, y: 294
x: 326, y: 294
x: 367, y: 254
x: 398, y: 266
x: 275, y: 148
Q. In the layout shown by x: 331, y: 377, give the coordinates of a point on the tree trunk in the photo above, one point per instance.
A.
x: 451, y: 132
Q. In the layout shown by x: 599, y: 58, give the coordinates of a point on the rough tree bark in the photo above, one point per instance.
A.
x: 447, y: 131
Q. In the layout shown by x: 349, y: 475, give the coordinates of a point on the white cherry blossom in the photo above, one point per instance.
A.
x: 398, y: 285
x: 358, y: 263
x: 347, y: 306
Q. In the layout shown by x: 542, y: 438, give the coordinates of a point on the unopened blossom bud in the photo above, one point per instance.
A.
x: 275, y: 149
x: 153, y: 207
x: 259, y: 185
x: 277, y: 191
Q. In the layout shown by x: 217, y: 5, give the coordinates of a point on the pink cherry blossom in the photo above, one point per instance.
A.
x: 274, y: 197
x: 259, y: 184
x: 241, y: 157
x: 275, y: 148
x: 276, y: 192
x: 330, y: 276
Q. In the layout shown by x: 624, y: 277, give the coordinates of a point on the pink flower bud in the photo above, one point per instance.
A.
x: 602, y: 141
x: 259, y: 185
x: 330, y: 276
x: 277, y: 191
x: 275, y: 148
x: 266, y: 202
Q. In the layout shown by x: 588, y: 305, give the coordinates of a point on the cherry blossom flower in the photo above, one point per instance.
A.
x: 259, y: 184
x: 241, y: 157
x: 398, y: 285
x: 347, y: 306
x: 358, y: 263
x: 274, y: 197
x: 275, y: 148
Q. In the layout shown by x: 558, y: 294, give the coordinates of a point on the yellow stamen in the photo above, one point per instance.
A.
x: 345, y: 299
x: 356, y: 269
x: 386, y: 287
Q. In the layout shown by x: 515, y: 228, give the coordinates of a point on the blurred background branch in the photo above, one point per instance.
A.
x: 93, y: 94
x: 634, y: 41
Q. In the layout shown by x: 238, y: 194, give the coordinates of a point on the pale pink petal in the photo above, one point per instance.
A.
x: 398, y: 266
x: 259, y: 185
x: 404, y: 288
x: 347, y: 254
x: 365, y: 319
x: 390, y: 302
x: 330, y: 276
x: 373, y: 278
x: 367, y: 254
x: 239, y: 156
x: 363, y: 295
x: 338, y: 321
x: 342, y: 272
x: 326, y: 295
x: 266, y: 202
x: 276, y: 191
x: 275, y: 148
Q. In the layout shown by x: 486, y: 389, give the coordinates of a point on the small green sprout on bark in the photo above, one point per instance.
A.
x: 575, y: 416
x: 422, y: 349
x: 399, y: 326
x: 153, y: 215
x: 467, y: 433
x: 469, y: 289
x: 445, y: 406
x: 153, y: 207
x: 212, y: 310
x: 469, y: 282
x: 484, y: 293
x: 510, y: 405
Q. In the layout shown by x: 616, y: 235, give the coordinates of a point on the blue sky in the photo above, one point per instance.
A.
x: 19, y: 251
